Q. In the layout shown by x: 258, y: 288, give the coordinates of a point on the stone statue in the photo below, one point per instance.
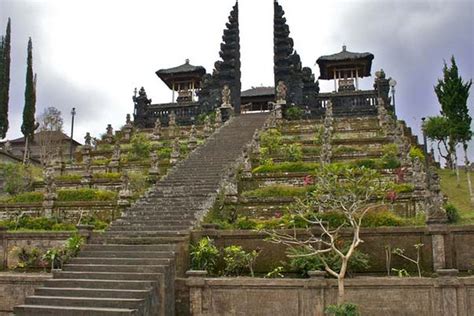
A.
x: 226, y: 96
x: 175, y: 153
x: 281, y: 90
x: 109, y: 135
x: 207, y: 127
x: 110, y: 130
x: 172, y: 121
x: 157, y: 130
x: 50, y: 194
x: 128, y: 120
x: 116, y: 152
x: 436, y: 211
x: 192, y: 141
x: 87, y: 139
x: 218, y: 121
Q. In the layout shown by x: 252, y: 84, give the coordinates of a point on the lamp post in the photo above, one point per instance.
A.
x: 73, y: 113
x: 392, y: 84
x: 425, y: 149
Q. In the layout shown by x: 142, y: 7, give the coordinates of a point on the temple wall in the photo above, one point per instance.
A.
x: 308, y: 297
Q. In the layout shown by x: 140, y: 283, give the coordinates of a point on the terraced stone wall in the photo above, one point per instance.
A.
x: 458, y: 241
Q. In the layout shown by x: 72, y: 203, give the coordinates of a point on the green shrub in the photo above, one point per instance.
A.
x: 301, y: 263
x: 271, y: 139
x: 452, y: 213
x: 17, y: 177
x: 245, y: 223
x: 287, y: 167
x: 346, y: 309
x: 389, y: 159
x: 86, y: 195
x: 26, y: 197
x: 37, y: 223
x: 204, y: 255
x: 237, y: 260
x: 367, y: 163
x: 416, y: 152
x: 56, y: 257
x: 141, y: 146
x: 107, y: 175
x: 294, y: 113
x: 277, y: 190
x: 403, y: 188
x: 93, y: 221
x: 382, y: 218
x: 333, y: 218
x: 164, y: 153
x: 28, y: 259
x: 311, y: 150
x: 292, y: 152
x: 100, y: 162
x: 345, y: 150
x: 69, y: 177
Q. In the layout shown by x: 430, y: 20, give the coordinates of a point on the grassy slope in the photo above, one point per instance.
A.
x: 458, y: 196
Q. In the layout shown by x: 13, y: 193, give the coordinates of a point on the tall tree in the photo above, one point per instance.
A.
x: 453, y: 92
x: 5, y: 79
x: 436, y: 128
x: 29, y: 125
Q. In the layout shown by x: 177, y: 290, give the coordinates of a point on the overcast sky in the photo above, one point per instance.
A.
x: 91, y: 54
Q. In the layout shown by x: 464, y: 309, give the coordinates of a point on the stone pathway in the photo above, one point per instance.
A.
x: 130, y: 269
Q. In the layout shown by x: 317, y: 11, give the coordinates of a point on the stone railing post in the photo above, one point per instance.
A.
x: 196, y: 284
x: 448, y: 284
x: 85, y: 231
x: 4, y: 247
x: 438, y: 232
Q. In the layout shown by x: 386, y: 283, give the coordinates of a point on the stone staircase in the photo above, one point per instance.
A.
x: 130, y: 269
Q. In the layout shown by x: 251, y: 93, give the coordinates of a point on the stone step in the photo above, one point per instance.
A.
x: 91, y: 292
x: 132, y: 229
x: 110, y: 240
x: 120, y: 261
x: 128, y: 247
x: 126, y: 254
x: 123, y: 303
x: 42, y: 310
x: 111, y: 268
x: 146, y: 234
x: 101, y: 284
x: 171, y: 222
x: 88, y: 275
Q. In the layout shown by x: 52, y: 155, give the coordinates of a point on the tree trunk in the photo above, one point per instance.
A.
x: 468, y: 174
x: 340, y: 281
x: 340, y: 290
x: 25, y: 154
x: 456, y: 167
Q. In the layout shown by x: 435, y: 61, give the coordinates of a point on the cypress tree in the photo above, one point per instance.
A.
x: 28, y: 127
x: 5, y: 79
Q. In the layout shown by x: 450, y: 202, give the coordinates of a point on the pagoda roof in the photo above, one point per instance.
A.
x: 345, y: 59
x: 258, y: 91
x: 183, y: 72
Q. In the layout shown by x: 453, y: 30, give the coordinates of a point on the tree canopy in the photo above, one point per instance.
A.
x: 5, y: 59
x: 29, y: 126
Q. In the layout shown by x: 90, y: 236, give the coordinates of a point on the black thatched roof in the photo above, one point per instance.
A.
x: 343, y: 59
x: 258, y: 91
x: 184, y: 71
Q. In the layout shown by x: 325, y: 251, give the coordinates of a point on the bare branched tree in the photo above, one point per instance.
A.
x: 353, y: 192
x: 50, y: 134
